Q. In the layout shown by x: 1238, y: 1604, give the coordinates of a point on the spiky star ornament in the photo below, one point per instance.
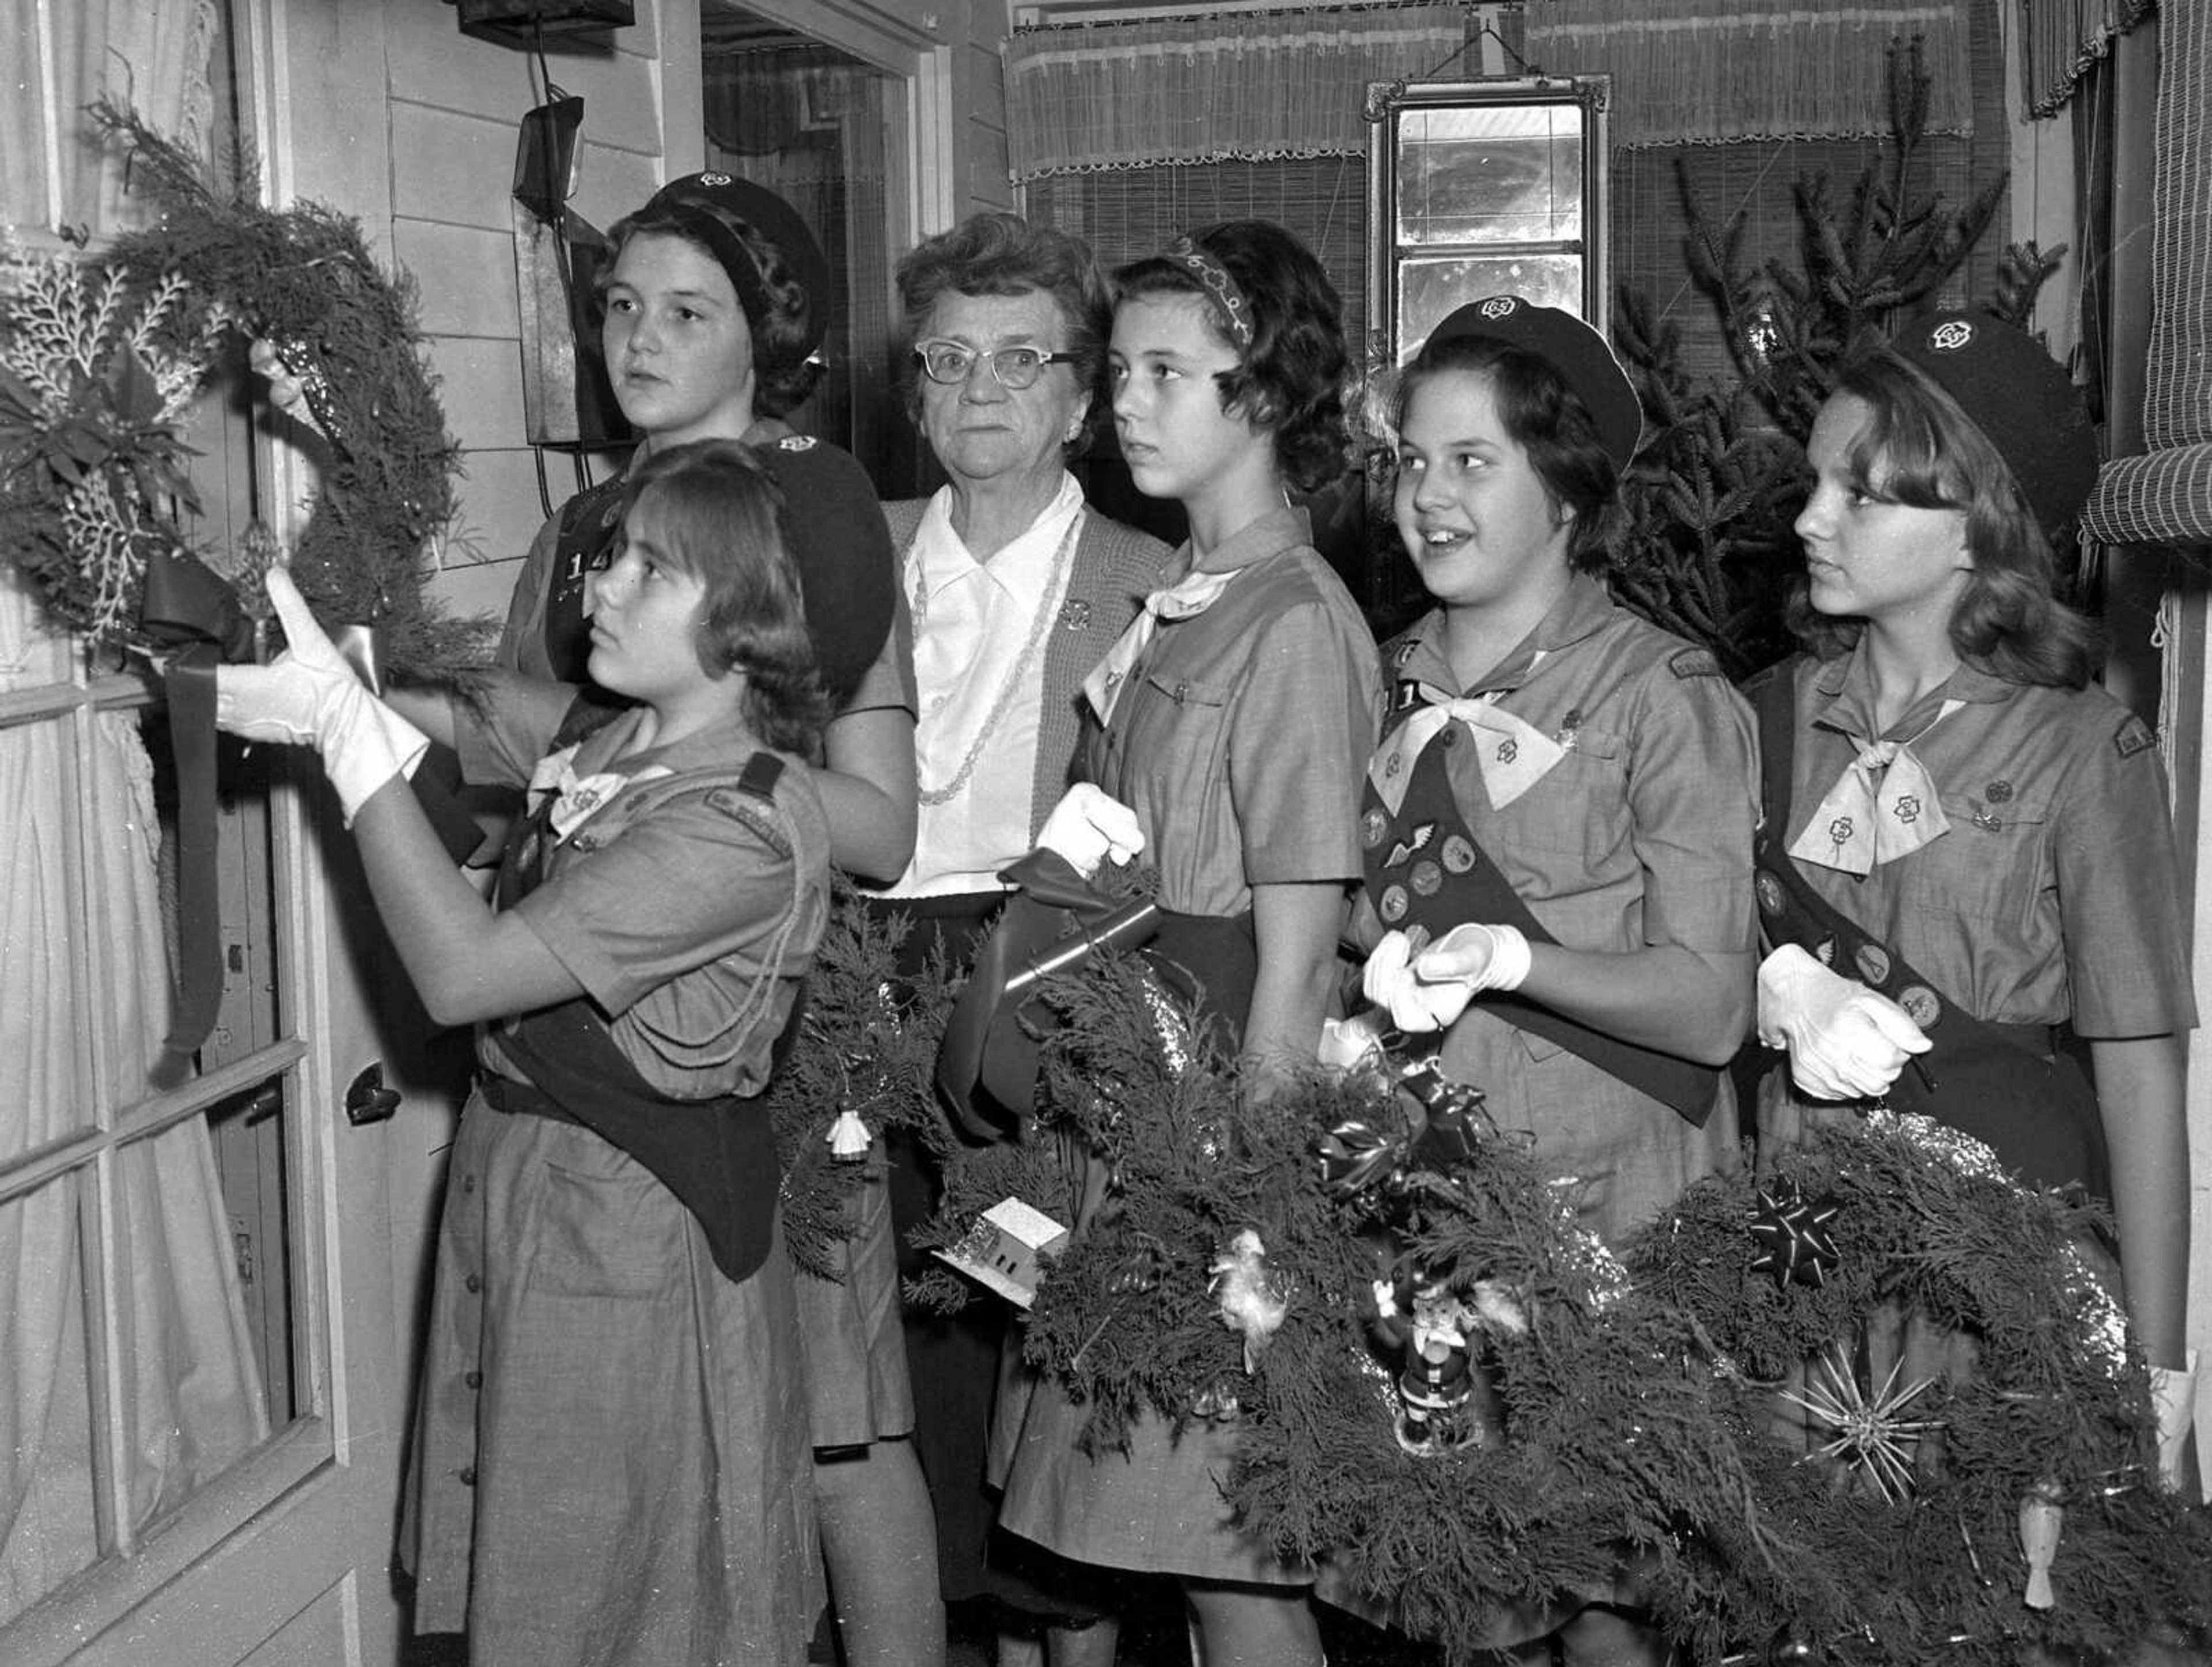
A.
x: 1791, y: 1233
x: 1869, y: 1434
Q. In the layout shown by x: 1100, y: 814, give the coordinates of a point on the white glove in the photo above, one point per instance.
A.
x: 1086, y: 827
x: 2173, y: 1397
x: 1845, y: 1041
x: 1428, y: 988
x: 309, y: 697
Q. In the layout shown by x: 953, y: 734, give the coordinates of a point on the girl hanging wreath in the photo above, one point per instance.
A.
x: 1469, y: 1415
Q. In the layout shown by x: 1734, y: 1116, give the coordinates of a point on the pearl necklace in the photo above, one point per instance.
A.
x: 1053, y: 589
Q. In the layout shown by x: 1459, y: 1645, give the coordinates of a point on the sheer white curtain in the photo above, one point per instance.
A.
x: 79, y: 841
x: 153, y: 55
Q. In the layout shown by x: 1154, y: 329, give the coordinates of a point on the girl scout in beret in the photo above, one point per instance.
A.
x: 1967, y: 844
x: 715, y: 299
x: 1233, y: 718
x: 612, y: 1455
x: 1556, y: 830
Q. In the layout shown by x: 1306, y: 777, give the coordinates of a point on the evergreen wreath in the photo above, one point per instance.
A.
x: 101, y: 354
x: 1618, y: 1436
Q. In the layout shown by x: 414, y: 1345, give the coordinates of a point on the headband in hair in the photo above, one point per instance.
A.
x: 691, y: 204
x: 1220, y: 289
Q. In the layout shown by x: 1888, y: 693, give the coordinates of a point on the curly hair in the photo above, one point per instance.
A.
x: 1546, y: 417
x: 1290, y: 381
x: 784, y: 373
x: 1003, y: 254
x: 1918, y: 447
x: 714, y: 515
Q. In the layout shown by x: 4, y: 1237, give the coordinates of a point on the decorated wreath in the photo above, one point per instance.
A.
x: 101, y: 355
x: 1471, y: 1417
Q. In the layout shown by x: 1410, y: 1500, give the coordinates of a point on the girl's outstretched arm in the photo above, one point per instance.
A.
x: 867, y: 789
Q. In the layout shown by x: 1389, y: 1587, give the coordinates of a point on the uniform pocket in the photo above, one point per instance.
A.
x: 605, y: 1227
x: 1988, y: 867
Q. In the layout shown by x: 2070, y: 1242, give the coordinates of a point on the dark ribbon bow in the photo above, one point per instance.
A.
x: 1438, y: 1136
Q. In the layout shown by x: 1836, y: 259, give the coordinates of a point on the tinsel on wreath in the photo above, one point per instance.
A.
x: 867, y: 1046
x: 1635, y: 1454
x: 302, y: 278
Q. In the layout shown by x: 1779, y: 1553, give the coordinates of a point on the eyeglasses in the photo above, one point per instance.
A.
x: 1015, y: 367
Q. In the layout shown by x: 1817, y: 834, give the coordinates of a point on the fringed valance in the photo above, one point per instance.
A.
x: 1249, y: 86
x: 1702, y: 72
x: 2062, y: 39
x: 2167, y: 496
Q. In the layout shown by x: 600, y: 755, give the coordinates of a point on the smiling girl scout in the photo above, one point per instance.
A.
x: 611, y: 1456
x: 1557, y: 825
x: 1967, y: 843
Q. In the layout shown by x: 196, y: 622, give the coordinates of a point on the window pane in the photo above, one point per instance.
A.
x: 48, y: 1026
x: 1491, y: 173
x: 49, y: 1530
x: 190, y: 1398
x: 1430, y: 286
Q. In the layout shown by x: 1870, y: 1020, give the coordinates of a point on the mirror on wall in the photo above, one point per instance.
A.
x: 1479, y: 188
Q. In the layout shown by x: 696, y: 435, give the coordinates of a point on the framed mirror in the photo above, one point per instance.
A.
x: 1479, y: 188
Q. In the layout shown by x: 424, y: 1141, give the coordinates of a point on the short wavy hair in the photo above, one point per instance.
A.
x: 713, y: 513
x: 1291, y: 380
x: 784, y: 373
x: 1543, y: 415
x: 1919, y: 447
x: 1003, y: 254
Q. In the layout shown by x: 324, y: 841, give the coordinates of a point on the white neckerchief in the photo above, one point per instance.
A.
x: 1861, y: 824
x: 1511, y: 754
x: 1193, y: 594
x: 578, y: 798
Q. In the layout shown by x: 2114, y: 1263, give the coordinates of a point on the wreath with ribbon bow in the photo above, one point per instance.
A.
x: 101, y: 356
x: 1619, y: 1432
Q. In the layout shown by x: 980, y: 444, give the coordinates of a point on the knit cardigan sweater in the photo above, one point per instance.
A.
x: 1115, y: 567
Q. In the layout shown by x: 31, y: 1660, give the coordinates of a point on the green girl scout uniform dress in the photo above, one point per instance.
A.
x: 1605, y: 771
x: 611, y: 1462
x: 1236, y: 734
x: 2024, y: 881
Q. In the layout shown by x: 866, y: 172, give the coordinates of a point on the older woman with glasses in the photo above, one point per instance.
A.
x: 1017, y: 590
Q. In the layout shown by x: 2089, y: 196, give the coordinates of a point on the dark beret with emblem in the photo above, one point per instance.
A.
x: 2025, y: 405
x: 769, y: 216
x: 1571, y: 347
x: 834, y: 529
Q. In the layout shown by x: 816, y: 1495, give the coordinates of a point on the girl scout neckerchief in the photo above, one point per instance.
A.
x: 2007, y: 1086
x: 1422, y: 869
x: 717, y: 1156
x: 1193, y: 594
x: 1859, y: 826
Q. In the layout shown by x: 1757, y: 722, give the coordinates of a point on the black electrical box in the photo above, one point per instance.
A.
x: 526, y: 23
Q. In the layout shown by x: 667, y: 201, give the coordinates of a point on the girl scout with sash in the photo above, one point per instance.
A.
x: 716, y: 296
x: 1967, y: 844
x: 611, y: 1458
x: 1557, y: 829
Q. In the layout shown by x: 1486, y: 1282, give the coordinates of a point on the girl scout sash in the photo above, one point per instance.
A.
x: 2009, y: 1086
x: 1422, y: 869
x: 717, y: 1156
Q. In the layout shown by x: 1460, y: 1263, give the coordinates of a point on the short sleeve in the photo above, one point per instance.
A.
x: 522, y: 638
x: 503, y: 733
x: 704, y: 877
x: 1693, y: 807
x: 1297, y: 752
x: 2120, y: 890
